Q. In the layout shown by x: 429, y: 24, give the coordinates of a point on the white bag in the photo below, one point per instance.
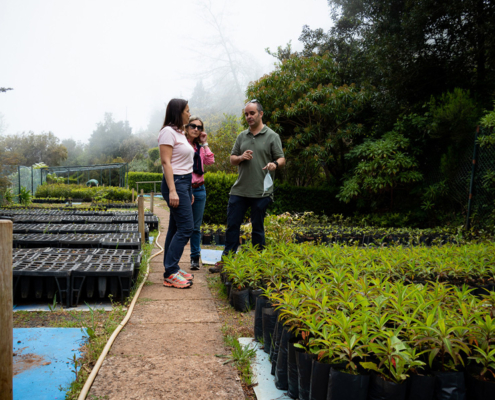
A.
x: 267, y: 183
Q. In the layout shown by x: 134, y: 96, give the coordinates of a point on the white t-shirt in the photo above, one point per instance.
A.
x: 182, y: 153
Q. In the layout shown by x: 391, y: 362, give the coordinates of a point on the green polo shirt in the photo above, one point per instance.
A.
x: 266, y: 147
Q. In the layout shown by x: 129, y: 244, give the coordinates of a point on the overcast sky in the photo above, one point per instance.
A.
x: 71, y: 61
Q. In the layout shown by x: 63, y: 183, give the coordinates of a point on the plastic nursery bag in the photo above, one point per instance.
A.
x: 268, y: 182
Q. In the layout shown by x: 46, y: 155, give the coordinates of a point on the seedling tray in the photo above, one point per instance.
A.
x: 47, y: 278
x: 111, y: 278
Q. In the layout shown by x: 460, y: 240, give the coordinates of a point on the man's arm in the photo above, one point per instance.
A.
x: 236, y: 160
x: 271, y: 166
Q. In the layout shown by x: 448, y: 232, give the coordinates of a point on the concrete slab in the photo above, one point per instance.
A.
x: 172, y: 340
x: 170, y: 378
x: 175, y: 311
x: 42, y: 361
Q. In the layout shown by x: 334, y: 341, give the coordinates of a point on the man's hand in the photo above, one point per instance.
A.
x: 271, y: 166
x: 247, y: 155
x: 192, y: 202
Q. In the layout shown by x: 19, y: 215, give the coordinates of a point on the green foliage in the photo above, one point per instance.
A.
x: 111, y: 193
x: 25, y: 196
x: 154, y: 162
x: 134, y: 177
x: 287, y: 198
x: 395, y: 310
x: 315, y: 113
x: 218, y: 185
x: 33, y: 148
x: 222, y: 141
x: 383, y: 164
x: 488, y: 122
x: 454, y: 116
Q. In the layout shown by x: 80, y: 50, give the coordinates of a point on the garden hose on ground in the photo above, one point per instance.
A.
x: 96, y: 368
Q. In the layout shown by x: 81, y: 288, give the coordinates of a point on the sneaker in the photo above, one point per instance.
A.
x: 186, y: 275
x: 194, y: 264
x: 177, y: 281
x: 217, y: 268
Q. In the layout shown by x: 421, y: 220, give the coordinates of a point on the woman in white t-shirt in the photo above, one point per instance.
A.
x: 177, y: 162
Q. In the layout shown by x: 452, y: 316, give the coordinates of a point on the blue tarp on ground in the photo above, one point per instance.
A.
x: 43, y: 361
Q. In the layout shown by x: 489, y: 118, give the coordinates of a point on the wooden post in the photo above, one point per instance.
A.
x: 6, y: 307
x: 152, y: 198
x: 133, y: 195
x: 142, y: 192
x: 141, y: 218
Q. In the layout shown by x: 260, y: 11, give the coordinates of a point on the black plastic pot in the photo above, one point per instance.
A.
x: 273, y: 343
x: 228, y: 286
x: 292, y: 378
x: 207, y: 239
x: 380, y: 389
x: 269, y: 320
x: 253, y: 296
x: 261, y: 302
x: 344, y: 386
x: 304, y: 368
x: 319, y: 381
x: 281, y: 366
x: 421, y: 387
x: 450, y: 386
x: 276, y: 343
x: 478, y: 389
x: 241, y: 301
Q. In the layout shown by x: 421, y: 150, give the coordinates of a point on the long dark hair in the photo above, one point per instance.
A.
x: 173, y: 115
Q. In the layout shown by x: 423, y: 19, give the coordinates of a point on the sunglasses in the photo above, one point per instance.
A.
x: 194, y: 126
x: 251, y: 101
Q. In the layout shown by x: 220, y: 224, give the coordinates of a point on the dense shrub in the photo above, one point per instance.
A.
x: 82, y: 192
x: 286, y: 198
x: 144, y: 177
x: 218, y: 186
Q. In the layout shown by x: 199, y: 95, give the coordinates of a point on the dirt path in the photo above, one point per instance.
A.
x: 167, y: 349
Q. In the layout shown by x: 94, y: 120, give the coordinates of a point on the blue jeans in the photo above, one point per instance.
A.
x: 238, y: 206
x: 180, y: 227
x: 198, y: 209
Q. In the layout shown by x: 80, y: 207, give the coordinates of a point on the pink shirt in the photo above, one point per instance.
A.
x: 182, y: 151
x: 207, y: 158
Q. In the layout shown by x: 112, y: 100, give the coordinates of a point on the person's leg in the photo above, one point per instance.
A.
x: 183, y: 221
x: 258, y: 212
x: 198, y: 209
x: 172, y: 227
x: 235, y: 214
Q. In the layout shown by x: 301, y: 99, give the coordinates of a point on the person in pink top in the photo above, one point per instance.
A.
x: 197, y: 138
x: 177, y: 157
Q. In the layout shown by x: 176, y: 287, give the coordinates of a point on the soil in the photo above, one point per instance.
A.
x: 24, y: 362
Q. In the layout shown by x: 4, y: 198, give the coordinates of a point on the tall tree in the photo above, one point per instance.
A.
x: 104, y: 144
x: 32, y: 148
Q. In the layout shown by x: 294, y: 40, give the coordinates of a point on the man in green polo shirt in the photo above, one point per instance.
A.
x: 257, y: 152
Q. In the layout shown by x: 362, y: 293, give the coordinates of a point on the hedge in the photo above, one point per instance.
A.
x: 60, y: 190
x: 134, y: 177
x: 286, y: 198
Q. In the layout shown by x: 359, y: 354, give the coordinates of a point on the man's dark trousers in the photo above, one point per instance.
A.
x: 236, y: 210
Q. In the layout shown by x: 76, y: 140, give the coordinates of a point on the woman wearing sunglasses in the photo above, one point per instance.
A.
x: 202, y: 156
x: 177, y: 161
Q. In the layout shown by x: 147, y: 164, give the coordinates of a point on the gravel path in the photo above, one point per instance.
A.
x: 167, y: 349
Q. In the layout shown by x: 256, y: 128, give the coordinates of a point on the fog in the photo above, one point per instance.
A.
x: 69, y: 62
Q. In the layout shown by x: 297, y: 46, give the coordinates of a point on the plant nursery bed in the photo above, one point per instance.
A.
x: 373, y: 323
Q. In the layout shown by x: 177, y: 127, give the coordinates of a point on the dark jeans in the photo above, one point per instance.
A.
x: 180, y: 227
x: 235, y: 213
